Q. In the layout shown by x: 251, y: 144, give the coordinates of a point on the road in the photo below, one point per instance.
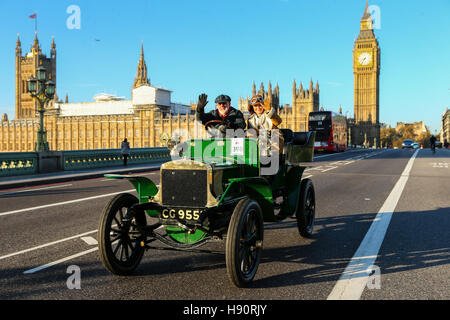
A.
x: 386, y: 209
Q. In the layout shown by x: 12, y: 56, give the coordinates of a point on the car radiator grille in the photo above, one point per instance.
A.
x: 184, y: 188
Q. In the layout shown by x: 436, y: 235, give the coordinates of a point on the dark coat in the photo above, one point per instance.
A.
x: 234, y: 119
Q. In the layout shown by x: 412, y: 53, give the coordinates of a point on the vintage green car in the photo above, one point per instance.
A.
x: 215, y: 191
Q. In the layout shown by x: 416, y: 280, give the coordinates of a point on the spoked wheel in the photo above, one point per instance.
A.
x: 119, y: 238
x: 244, y: 242
x: 306, y: 211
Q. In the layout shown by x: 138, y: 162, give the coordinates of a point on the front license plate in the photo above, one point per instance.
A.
x: 183, y: 214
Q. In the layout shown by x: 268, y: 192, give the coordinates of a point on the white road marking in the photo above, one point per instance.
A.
x: 314, y: 168
x: 354, y: 279
x: 48, y: 265
x: 64, y: 203
x: 325, y: 155
x: 39, y: 189
x: 46, y: 245
x: 90, y: 241
x: 331, y: 168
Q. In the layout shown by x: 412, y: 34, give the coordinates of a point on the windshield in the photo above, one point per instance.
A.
x: 224, y: 151
x: 322, y: 116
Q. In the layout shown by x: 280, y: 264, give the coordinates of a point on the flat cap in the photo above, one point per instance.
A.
x: 223, y: 98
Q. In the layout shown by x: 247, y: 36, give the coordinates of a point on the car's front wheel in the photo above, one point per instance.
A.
x: 244, y: 242
x: 118, y: 235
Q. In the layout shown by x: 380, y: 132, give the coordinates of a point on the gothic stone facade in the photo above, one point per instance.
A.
x: 141, y: 121
x: 84, y: 126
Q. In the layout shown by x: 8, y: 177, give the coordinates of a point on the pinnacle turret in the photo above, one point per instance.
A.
x: 53, y: 48
x: 141, y: 77
x: 18, y: 46
x: 36, y: 43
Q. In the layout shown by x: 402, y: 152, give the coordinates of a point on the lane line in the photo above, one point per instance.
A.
x: 46, y: 245
x: 48, y: 265
x: 51, y: 264
x: 90, y: 241
x: 325, y: 155
x: 64, y: 203
x: 353, y: 280
x: 39, y: 189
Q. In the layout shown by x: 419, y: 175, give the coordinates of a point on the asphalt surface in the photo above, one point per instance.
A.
x: 44, y: 230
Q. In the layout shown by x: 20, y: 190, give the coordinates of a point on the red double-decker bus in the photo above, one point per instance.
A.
x: 331, y: 131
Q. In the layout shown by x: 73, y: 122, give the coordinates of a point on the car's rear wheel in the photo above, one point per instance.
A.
x: 244, y: 242
x: 306, y: 210
x: 119, y: 237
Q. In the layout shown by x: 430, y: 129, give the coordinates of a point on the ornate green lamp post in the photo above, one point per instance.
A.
x: 43, y: 91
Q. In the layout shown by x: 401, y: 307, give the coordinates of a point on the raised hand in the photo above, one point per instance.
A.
x: 202, y: 102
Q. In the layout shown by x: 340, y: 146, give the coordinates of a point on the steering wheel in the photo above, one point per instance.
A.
x: 214, y: 123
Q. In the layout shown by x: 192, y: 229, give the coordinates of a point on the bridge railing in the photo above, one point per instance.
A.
x: 18, y: 163
x: 23, y: 163
x: 89, y: 159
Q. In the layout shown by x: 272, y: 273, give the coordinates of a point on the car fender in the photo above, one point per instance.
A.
x: 145, y: 187
x: 258, y: 189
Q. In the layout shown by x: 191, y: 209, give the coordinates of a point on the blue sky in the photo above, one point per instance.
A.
x: 222, y: 46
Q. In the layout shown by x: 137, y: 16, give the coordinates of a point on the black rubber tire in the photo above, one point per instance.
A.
x: 306, y: 210
x: 244, y: 242
x: 113, y: 213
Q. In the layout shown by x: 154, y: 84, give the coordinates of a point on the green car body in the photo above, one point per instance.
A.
x: 200, y: 192
x: 228, y: 179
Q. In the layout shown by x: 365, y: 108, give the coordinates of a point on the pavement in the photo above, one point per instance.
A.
x: 64, y: 176
x: 48, y: 233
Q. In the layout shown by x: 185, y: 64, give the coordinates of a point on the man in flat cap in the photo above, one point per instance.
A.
x: 223, y: 117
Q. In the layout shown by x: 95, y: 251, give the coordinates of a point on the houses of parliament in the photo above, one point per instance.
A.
x: 106, y: 121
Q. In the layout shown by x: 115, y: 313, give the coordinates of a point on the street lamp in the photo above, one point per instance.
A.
x: 43, y: 91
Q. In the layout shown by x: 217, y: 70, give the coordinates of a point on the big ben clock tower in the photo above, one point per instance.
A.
x: 366, y: 71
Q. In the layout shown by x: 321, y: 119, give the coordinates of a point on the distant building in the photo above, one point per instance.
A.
x: 100, y: 124
x: 445, y: 126
x: 25, y: 68
x: 418, y: 127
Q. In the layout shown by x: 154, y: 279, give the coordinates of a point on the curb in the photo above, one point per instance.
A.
x: 72, y: 177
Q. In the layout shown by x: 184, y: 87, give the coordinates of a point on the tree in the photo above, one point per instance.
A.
x: 388, y: 136
x: 424, y: 139
x: 405, y: 132
x: 408, y: 133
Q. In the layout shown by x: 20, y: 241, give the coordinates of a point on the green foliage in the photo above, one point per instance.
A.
x: 424, y: 139
x: 388, y: 136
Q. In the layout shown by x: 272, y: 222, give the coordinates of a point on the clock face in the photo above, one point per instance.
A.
x: 364, y: 58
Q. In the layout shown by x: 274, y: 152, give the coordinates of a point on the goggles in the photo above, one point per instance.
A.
x: 257, y: 100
